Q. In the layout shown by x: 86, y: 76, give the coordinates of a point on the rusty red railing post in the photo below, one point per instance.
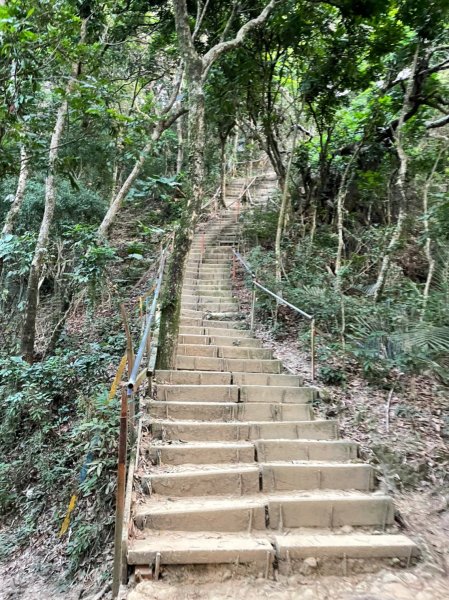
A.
x: 121, y: 488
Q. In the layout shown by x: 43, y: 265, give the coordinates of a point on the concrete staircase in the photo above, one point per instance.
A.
x: 238, y: 470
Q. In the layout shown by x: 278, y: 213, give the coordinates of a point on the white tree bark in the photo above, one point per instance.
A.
x: 11, y: 217
x: 400, y: 185
x: 29, y: 327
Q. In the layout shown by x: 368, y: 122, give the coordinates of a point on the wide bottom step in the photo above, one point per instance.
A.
x: 198, y: 548
x: 180, y: 547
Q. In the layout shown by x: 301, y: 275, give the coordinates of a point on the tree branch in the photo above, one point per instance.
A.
x: 211, y: 56
x: 438, y: 123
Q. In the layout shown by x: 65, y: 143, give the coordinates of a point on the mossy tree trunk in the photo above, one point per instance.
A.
x: 196, y: 70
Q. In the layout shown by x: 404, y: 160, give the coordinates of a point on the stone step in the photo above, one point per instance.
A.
x: 321, y: 509
x: 232, y: 480
x: 190, y: 322
x: 215, y: 295
x: 295, y: 450
x: 212, y: 293
x: 225, y: 378
x: 328, y: 510
x: 205, y: 363
x: 205, y: 340
x: 196, y: 548
x: 316, y: 476
x: 202, y: 453
x: 224, y: 324
x: 202, y: 514
x: 238, y: 480
x: 237, y: 334
x: 193, y: 377
x: 287, y: 395
x: 266, y: 379
x: 229, y: 411
x: 356, y: 545
x: 224, y: 351
x: 197, y: 393
x: 192, y: 431
x: 217, y: 306
x: 205, y: 299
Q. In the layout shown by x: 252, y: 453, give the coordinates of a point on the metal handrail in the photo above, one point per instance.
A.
x: 125, y: 472
x: 280, y: 300
x: 149, y: 322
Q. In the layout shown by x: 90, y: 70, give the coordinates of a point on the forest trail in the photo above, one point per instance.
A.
x: 234, y: 468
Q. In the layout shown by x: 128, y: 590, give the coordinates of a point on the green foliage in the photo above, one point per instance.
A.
x: 60, y: 414
x: 74, y: 205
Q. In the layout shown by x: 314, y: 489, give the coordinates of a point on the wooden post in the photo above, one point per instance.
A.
x: 120, y: 501
x: 312, y: 349
x: 233, y: 268
x: 253, y: 307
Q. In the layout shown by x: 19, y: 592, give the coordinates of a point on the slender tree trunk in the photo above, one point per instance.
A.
x: 223, y: 170
x: 428, y: 244
x: 400, y: 184
x: 10, y: 220
x: 281, y: 219
x: 8, y: 226
x: 32, y: 296
x: 123, y: 192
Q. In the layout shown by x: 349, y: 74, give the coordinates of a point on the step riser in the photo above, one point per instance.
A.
x: 203, y: 363
x: 283, y: 395
x: 219, y: 341
x: 286, y: 478
x: 240, y: 519
x: 369, y: 512
x: 282, y: 450
x: 221, y: 307
x: 192, y: 378
x: 322, y: 513
x: 197, y: 393
x: 232, y: 432
x: 223, y: 378
x: 237, y: 483
x: 179, y: 455
x: 201, y: 411
x: 236, y: 334
x: 232, y: 352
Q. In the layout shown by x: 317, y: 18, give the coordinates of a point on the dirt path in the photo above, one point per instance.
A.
x: 384, y: 585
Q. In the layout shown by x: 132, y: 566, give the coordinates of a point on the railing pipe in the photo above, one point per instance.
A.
x: 142, y: 347
x: 281, y: 300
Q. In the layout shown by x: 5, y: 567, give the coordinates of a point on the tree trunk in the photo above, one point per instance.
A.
x: 282, y: 218
x: 400, y: 183
x: 32, y: 296
x: 428, y: 245
x: 9, y: 223
x: 196, y: 68
x: 223, y: 171
x: 171, y: 298
x: 122, y: 193
x: 180, y: 154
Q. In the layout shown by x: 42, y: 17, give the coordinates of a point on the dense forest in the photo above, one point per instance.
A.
x: 120, y: 122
